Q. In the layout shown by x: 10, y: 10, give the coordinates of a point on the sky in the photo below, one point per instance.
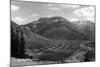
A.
x: 23, y: 12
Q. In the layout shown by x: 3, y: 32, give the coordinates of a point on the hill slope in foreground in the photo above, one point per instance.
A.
x: 54, y: 40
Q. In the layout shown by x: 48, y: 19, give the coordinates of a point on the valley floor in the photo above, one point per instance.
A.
x: 27, y: 62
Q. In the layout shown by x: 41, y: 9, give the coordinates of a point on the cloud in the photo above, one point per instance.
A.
x: 19, y: 20
x: 14, y: 8
x: 35, y: 15
x: 50, y: 15
x: 53, y: 7
x: 86, y: 13
x: 60, y: 7
x: 73, y: 19
x: 69, y: 6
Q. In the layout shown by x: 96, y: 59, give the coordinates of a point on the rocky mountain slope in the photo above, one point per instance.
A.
x: 60, y: 28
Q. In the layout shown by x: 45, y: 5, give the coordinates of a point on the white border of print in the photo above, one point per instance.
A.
x: 5, y: 33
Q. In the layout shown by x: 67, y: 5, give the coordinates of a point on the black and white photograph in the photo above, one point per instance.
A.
x: 43, y: 33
